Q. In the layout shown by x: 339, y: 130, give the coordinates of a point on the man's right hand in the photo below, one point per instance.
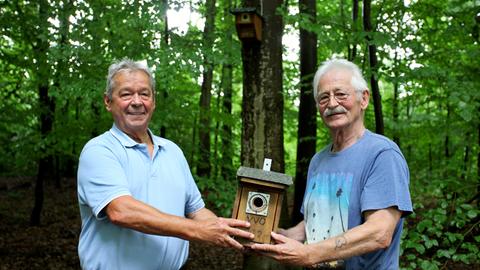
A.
x: 220, y: 231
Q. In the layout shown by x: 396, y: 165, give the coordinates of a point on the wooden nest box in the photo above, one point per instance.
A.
x: 248, y: 23
x: 259, y: 201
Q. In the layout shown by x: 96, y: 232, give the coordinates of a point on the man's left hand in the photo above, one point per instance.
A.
x: 285, y: 250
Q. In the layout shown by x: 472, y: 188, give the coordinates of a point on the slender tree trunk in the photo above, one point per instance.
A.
x: 395, y: 104
x: 466, y: 158
x: 47, y: 107
x: 447, y: 137
x: 203, y: 163
x: 352, y: 50
x: 216, y: 166
x: 262, y: 107
x: 227, y: 170
x: 478, y: 163
x: 307, y: 112
x: 372, y: 53
x: 430, y: 161
x: 166, y: 44
x: 61, y: 74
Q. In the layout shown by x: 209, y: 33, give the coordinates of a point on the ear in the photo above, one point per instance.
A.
x: 107, y: 102
x: 365, y: 99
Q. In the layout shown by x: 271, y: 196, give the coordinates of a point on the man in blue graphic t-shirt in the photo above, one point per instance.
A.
x: 357, y: 187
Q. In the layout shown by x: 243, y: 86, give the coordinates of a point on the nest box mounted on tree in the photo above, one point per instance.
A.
x: 248, y: 23
x: 259, y: 201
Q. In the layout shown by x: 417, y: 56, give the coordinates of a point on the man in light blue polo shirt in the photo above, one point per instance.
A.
x: 138, y: 201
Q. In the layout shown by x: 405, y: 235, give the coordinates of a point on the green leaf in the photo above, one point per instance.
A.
x: 428, y: 265
x: 472, y: 213
x: 444, y: 253
x: 419, y: 248
x: 424, y: 224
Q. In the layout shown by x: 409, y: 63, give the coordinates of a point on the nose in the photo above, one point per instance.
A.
x: 136, y: 100
x: 330, y: 103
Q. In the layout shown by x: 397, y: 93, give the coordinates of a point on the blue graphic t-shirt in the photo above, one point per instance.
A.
x: 372, y: 174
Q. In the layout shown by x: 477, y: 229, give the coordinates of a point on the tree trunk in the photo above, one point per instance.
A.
x: 395, y: 103
x: 227, y: 171
x: 478, y: 163
x: 352, y: 51
x: 372, y: 53
x: 307, y: 112
x: 447, y: 137
x: 166, y: 44
x: 203, y: 163
x: 47, y: 107
x: 262, y: 107
x: 62, y: 75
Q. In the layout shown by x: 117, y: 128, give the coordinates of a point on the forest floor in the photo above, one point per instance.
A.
x: 53, y: 245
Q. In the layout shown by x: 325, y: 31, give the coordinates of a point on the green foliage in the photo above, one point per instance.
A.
x: 429, y: 58
x: 441, y: 233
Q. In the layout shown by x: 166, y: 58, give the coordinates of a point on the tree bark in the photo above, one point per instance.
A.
x: 227, y: 170
x: 352, y: 51
x: 307, y: 112
x: 395, y: 103
x: 47, y: 107
x: 203, y: 164
x: 262, y: 107
x: 478, y: 163
x: 166, y: 44
x: 372, y: 53
x: 62, y: 75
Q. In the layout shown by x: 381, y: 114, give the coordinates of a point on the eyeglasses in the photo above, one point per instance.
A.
x: 340, y: 96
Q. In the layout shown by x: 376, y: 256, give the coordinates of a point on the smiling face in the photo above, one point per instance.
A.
x: 132, y: 103
x: 344, y: 109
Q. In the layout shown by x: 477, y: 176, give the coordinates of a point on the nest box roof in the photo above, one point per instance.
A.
x: 269, y: 176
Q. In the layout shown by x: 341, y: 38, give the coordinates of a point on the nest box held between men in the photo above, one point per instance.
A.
x: 259, y: 201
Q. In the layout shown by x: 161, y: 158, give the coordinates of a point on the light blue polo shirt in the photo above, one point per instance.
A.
x: 113, y: 165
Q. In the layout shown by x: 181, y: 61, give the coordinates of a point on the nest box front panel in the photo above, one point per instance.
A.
x: 258, y: 207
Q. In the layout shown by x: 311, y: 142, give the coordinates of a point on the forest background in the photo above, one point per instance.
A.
x: 421, y: 57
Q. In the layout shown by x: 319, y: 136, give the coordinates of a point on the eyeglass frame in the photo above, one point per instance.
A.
x: 339, y: 95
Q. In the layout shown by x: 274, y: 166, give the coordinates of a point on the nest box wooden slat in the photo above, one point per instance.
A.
x: 248, y: 24
x: 259, y: 201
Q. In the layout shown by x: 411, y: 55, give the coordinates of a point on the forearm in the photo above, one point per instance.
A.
x: 133, y: 214
x: 202, y: 225
x: 357, y: 241
x: 376, y: 233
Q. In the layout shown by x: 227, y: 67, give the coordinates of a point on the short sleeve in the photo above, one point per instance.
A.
x: 387, y: 184
x: 101, y: 178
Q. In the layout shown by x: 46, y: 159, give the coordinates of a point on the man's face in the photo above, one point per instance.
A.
x: 338, y: 102
x: 132, y: 103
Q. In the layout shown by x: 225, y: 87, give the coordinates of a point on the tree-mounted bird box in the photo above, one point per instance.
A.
x: 248, y: 23
x: 259, y: 201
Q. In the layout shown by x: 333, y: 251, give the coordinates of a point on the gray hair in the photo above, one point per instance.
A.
x: 127, y: 65
x: 358, y: 82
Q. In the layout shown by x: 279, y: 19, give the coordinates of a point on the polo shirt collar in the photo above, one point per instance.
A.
x: 129, y: 142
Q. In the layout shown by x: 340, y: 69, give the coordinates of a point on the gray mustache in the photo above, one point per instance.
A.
x: 338, y: 109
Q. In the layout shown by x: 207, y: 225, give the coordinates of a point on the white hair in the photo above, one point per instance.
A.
x: 358, y: 82
x: 129, y: 66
